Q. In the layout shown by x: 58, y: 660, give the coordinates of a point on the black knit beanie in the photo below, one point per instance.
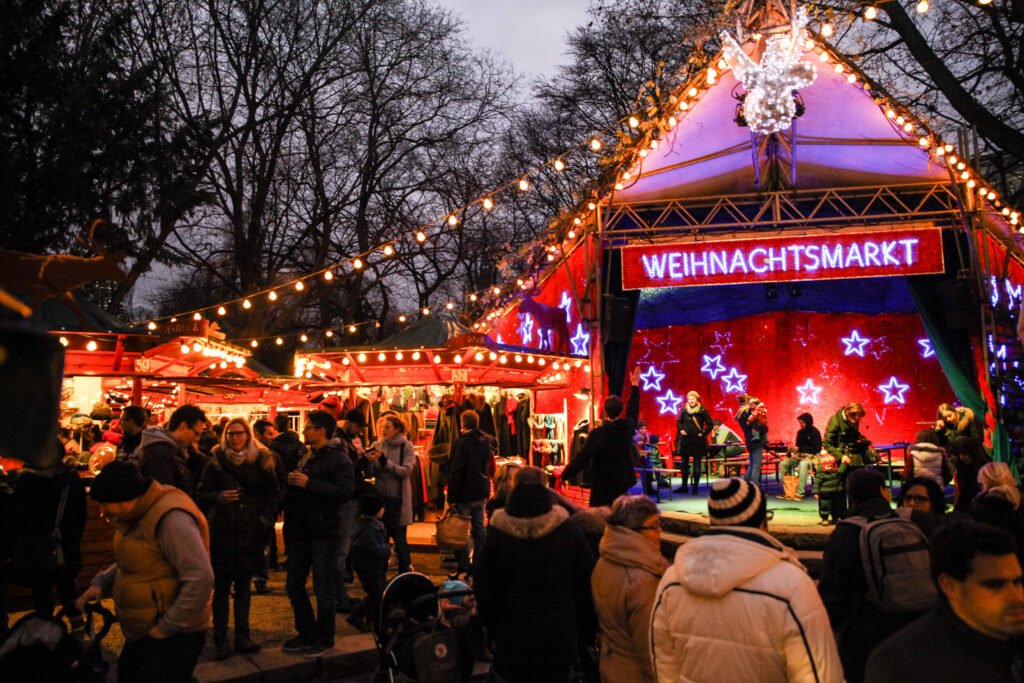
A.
x: 118, y: 482
x: 528, y: 500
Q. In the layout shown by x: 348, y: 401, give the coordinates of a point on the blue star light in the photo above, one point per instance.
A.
x: 713, y: 366
x: 734, y: 381
x: 669, y: 403
x: 566, y: 304
x: 809, y: 392
x: 855, y: 344
x: 894, y: 391
x: 580, y: 341
x: 526, y: 330
x: 652, y: 379
x: 926, y: 348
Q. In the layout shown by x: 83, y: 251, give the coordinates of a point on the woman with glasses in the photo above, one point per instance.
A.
x: 624, y: 583
x: 238, y: 491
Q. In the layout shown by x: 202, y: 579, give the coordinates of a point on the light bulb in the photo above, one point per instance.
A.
x: 826, y: 30
x: 595, y: 144
x: 472, y: 297
x: 425, y: 310
x: 352, y: 329
x: 381, y: 357
x: 254, y: 343
x: 197, y: 317
x: 634, y: 122
x: 357, y: 264
x: 328, y: 275
x: 388, y: 250
x: 497, y: 291
x: 488, y: 203
x: 151, y: 326
x: 559, y: 165
x: 91, y: 346
x: 871, y: 13
x: 361, y: 358
x: 279, y: 341
x: 453, y: 220
x: 458, y: 359
x: 449, y: 305
x: 329, y: 333
x: 922, y: 7
x: 221, y: 310
x: 415, y: 355
x: 299, y: 286
x: 272, y: 296
x: 421, y: 236
x: 524, y: 185
x: 402, y: 318
x: 303, y: 338
x: 185, y: 348
x: 246, y: 304
x: 436, y: 359
x: 479, y: 356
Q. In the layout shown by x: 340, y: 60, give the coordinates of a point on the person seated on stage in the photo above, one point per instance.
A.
x: 797, y: 464
x: 926, y: 458
x: 951, y: 423
x: 845, y: 443
x: 725, y: 443
x: 653, y: 460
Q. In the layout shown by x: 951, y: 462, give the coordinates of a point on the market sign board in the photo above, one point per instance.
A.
x: 841, y: 255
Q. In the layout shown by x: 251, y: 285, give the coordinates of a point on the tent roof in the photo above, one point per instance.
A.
x: 55, y: 314
x: 843, y: 140
x: 426, y: 333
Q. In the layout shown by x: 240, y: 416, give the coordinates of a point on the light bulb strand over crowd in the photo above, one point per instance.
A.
x: 784, y: 67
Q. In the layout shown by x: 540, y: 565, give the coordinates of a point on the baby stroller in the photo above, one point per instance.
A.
x: 41, y: 648
x: 412, y: 639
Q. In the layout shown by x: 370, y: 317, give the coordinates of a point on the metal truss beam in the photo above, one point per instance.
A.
x: 792, y: 209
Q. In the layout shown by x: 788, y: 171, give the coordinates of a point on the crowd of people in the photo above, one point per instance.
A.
x: 560, y: 591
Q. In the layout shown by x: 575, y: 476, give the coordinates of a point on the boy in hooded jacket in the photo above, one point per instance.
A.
x: 369, y: 554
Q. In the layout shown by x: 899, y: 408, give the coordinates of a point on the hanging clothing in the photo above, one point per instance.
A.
x: 521, y: 419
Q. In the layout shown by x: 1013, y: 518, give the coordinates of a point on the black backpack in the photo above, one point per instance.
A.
x: 897, y: 566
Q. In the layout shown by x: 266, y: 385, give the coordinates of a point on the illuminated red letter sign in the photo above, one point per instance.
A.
x: 784, y: 259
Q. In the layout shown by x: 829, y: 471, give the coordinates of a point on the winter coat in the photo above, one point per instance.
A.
x: 314, y: 512
x: 393, y: 472
x: 472, y: 465
x: 808, y: 439
x: 737, y: 605
x: 928, y: 460
x: 827, y: 483
x: 697, y: 427
x: 624, y: 582
x: 844, y: 438
x: 532, y: 584
x: 238, y: 530
x: 858, y: 624
x: 941, y: 647
x: 609, y: 450
x: 972, y: 428
x: 33, y: 511
x: 289, y: 447
x: 755, y: 433
x: 165, y: 461
x: 370, y: 548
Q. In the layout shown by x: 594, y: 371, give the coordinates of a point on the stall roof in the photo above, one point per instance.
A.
x: 55, y: 314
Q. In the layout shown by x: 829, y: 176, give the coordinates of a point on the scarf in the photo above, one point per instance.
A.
x: 695, y: 409
x: 247, y: 455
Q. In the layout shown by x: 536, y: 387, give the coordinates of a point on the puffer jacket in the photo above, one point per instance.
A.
x: 624, y: 582
x: 928, y: 460
x: 737, y: 605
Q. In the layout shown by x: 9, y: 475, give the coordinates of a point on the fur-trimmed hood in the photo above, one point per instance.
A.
x: 529, y: 528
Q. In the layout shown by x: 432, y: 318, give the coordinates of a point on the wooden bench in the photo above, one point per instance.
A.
x: 656, y: 471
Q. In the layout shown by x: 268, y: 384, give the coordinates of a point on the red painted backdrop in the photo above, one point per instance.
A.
x: 780, y: 351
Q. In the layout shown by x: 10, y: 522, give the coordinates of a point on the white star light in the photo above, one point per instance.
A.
x: 580, y: 341
x: 809, y: 392
x: 566, y: 304
x: 855, y: 344
x: 526, y: 330
x: 894, y: 391
x: 713, y: 366
x: 734, y: 381
x: 669, y: 403
x: 926, y: 348
x: 652, y: 379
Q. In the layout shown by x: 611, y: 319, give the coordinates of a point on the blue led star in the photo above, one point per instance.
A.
x: 809, y: 392
x: 926, y: 348
x: 734, y: 381
x: 894, y: 391
x: 669, y: 403
x: 526, y: 330
x: 580, y: 341
x: 566, y: 304
x: 652, y: 379
x: 855, y: 344
x: 713, y: 366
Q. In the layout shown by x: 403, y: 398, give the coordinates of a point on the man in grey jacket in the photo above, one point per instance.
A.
x: 166, y: 452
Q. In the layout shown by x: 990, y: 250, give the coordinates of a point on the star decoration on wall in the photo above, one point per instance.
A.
x: 669, y: 403
x: 580, y: 341
x: 809, y: 393
x: 855, y: 344
x: 526, y: 330
x: 734, y: 381
x: 566, y: 304
x: 652, y: 379
x: 926, y: 348
x: 713, y: 366
x: 894, y: 391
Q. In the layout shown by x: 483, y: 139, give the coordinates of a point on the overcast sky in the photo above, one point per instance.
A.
x: 529, y: 34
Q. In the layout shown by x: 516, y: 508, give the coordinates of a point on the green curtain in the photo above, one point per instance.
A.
x: 958, y: 368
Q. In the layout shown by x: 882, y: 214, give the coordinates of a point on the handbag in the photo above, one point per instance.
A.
x: 32, y: 557
x: 453, y: 530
